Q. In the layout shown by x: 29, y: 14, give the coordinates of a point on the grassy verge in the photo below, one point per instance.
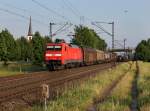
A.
x: 144, y: 86
x: 14, y: 69
x: 4, y: 72
x: 120, y: 98
x: 79, y: 97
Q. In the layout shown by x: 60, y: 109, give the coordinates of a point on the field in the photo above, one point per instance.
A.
x: 122, y: 88
x: 120, y: 98
x: 80, y: 97
x: 144, y: 87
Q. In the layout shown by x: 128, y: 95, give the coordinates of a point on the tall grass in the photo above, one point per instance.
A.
x: 79, y: 97
x: 144, y: 86
x: 120, y: 98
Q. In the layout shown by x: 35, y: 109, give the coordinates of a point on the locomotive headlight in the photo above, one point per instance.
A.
x: 48, y: 55
x: 57, y: 54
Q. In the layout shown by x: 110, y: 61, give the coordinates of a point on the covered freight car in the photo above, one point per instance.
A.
x: 113, y: 57
x: 110, y: 56
x: 89, y: 56
x: 100, y: 56
x: 107, y: 57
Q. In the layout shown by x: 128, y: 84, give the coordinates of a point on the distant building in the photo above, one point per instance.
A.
x: 29, y: 36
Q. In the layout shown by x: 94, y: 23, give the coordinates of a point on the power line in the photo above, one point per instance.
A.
x: 75, y: 11
x: 13, y: 13
x: 48, y: 9
x: 111, y: 34
x: 22, y: 16
x: 79, y: 13
x: 63, y: 28
x: 66, y: 28
x: 74, y: 7
x: 70, y: 8
x: 21, y: 9
x: 99, y: 26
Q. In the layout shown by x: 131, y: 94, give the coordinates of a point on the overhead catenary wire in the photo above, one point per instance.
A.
x: 70, y: 8
x: 117, y: 43
x: 99, y: 26
x: 21, y: 9
x: 73, y: 7
x: 22, y: 16
x: 54, y: 12
x: 60, y: 28
x: 76, y: 12
x: 50, y: 10
x: 63, y: 28
x: 66, y: 28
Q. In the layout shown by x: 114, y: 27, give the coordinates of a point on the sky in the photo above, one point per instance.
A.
x: 131, y: 17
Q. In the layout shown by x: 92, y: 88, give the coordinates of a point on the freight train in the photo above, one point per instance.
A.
x: 68, y: 55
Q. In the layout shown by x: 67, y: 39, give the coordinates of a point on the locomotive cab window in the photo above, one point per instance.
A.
x: 58, y: 48
x: 50, y: 48
x: 54, y: 48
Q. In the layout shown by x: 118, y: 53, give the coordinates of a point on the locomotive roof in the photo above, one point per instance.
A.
x: 99, y: 50
x: 71, y: 45
x: 55, y: 43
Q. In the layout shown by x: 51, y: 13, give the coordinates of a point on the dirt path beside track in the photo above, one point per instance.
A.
x: 107, y: 91
x: 134, y: 90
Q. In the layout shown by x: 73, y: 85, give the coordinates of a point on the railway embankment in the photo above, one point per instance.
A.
x: 116, y: 97
x: 132, y: 93
x: 93, y: 88
x: 80, y: 96
x: 27, y: 88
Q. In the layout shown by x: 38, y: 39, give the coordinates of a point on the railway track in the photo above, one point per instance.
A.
x: 42, y: 76
x: 19, y: 87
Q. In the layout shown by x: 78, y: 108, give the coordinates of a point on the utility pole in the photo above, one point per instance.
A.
x: 124, y: 45
x: 113, y: 45
x: 81, y: 20
x: 110, y: 34
x: 124, y: 41
x: 51, y: 34
x: 113, y: 34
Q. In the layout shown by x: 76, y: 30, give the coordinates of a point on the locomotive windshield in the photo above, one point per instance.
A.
x: 54, y: 48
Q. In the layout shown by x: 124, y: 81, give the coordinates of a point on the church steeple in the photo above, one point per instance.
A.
x: 29, y: 36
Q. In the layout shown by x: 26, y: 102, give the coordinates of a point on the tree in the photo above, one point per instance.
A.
x: 8, y: 46
x: 88, y: 38
x: 143, y: 50
x: 38, y: 48
x: 21, y: 49
x: 3, y: 48
x: 47, y: 39
x: 25, y: 49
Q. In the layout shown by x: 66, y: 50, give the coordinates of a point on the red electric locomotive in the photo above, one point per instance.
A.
x: 62, y: 55
x: 67, y: 55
